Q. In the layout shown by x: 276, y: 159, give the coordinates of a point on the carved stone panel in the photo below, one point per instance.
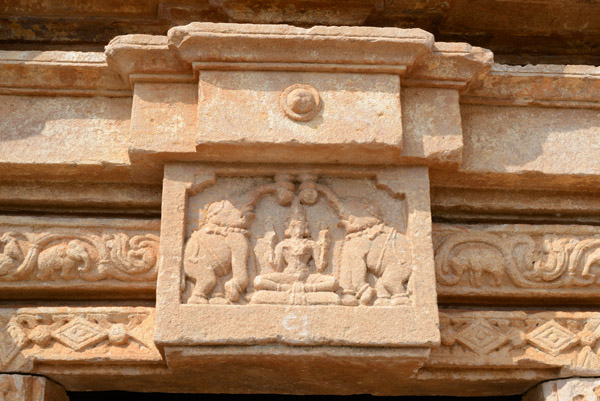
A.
x: 565, y: 340
x: 67, y: 256
x: 304, y: 256
x: 85, y: 336
x: 517, y: 261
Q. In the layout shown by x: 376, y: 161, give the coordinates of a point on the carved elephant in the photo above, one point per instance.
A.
x: 63, y: 260
x: 218, y: 248
x: 383, y: 252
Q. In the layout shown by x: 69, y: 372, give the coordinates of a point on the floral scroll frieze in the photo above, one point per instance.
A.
x: 497, y: 258
x: 68, y: 255
x: 507, y: 339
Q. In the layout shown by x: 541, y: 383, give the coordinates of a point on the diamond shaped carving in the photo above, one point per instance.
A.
x: 552, y: 338
x: 481, y: 337
x: 79, y: 334
x: 11, y: 342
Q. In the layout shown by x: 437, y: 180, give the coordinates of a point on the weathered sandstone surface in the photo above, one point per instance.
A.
x: 272, y: 209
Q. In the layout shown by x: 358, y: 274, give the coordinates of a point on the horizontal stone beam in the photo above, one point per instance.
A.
x: 530, y: 263
x: 30, y: 388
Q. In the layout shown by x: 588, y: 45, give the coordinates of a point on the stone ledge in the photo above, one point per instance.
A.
x: 461, y: 134
x: 58, y: 73
x: 546, y: 85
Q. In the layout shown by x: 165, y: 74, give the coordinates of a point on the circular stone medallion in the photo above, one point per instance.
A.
x: 300, y: 102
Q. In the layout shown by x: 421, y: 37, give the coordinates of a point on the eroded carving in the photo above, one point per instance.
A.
x: 290, y: 261
x: 220, y: 247
x: 517, y: 338
x: 61, y: 256
x: 535, y: 258
x: 9, y: 390
x: 353, y: 258
x: 300, y: 102
x: 54, y: 333
x: 372, y: 247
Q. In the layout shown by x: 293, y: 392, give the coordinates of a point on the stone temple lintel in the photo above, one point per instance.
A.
x: 318, y: 95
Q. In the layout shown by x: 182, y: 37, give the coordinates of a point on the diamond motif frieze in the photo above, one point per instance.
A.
x: 552, y: 337
x: 49, y: 335
x: 481, y: 337
x: 566, y: 340
x: 9, y: 346
x: 79, y: 333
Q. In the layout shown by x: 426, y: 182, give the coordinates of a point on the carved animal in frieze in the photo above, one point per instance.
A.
x: 372, y: 247
x: 476, y: 260
x: 473, y: 254
x: 218, y: 248
x: 584, y: 257
x: 67, y: 257
x: 65, y: 260
x: 12, y: 254
x: 368, y: 262
x: 540, y: 261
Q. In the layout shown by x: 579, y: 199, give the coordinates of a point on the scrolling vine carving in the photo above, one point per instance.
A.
x: 67, y: 257
x: 531, y: 259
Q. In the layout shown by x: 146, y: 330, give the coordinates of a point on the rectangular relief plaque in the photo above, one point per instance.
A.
x: 298, y: 256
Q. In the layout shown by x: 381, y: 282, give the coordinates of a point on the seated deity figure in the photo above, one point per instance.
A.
x: 373, y: 248
x: 291, y: 261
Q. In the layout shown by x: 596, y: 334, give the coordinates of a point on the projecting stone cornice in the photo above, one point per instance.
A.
x: 131, y: 55
x: 573, y: 86
x: 230, y: 65
x: 207, y: 46
x: 280, y: 47
x: 449, y: 65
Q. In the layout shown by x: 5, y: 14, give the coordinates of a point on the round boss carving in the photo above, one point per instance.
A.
x: 300, y: 102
